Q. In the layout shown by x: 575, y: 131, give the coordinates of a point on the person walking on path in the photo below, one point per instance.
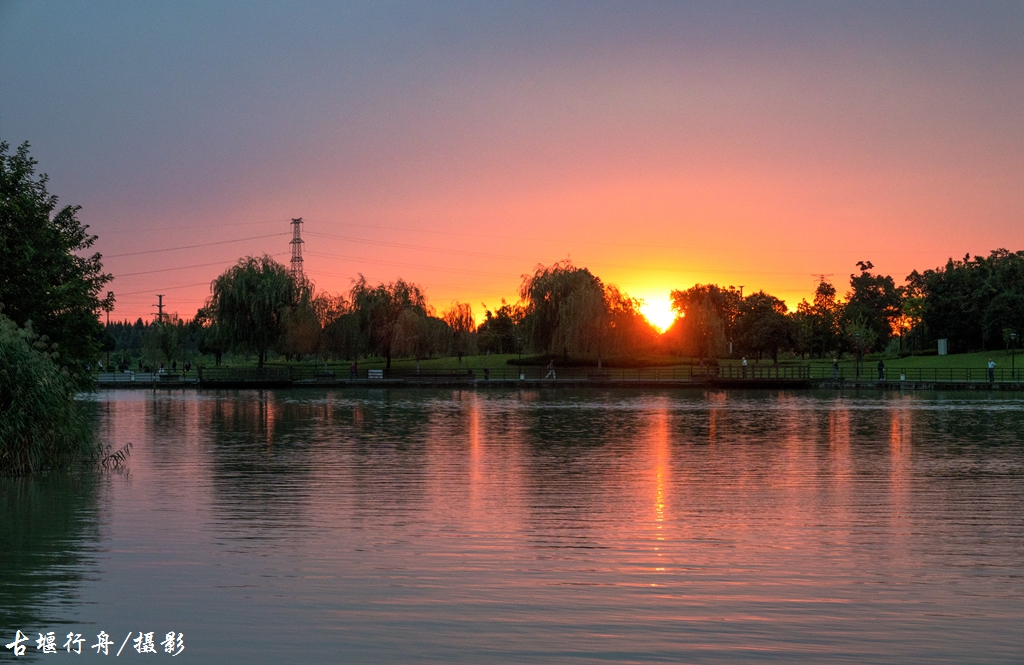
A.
x: 744, y: 367
x: 881, y: 370
x: 551, y: 370
x: 991, y: 371
x: 835, y: 368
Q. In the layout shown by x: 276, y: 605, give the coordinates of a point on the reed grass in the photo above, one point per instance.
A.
x: 41, y: 425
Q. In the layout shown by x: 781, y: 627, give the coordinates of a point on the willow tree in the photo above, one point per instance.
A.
x: 564, y: 308
x: 459, y: 318
x: 708, y: 315
x: 378, y: 309
x: 413, y: 335
x: 250, y: 303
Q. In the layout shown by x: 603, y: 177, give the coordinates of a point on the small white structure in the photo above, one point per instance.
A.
x: 943, y: 346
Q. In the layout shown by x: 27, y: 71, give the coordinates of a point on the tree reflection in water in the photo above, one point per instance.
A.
x: 48, y: 534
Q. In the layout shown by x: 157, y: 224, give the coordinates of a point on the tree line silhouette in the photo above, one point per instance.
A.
x: 566, y: 312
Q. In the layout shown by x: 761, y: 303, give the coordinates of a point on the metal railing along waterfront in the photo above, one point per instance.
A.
x: 131, y: 377
x: 340, y: 373
x: 869, y: 372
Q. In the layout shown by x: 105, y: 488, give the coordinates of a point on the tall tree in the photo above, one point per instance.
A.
x: 876, y: 302
x: 563, y: 309
x: 763, y: 325
x: 957, y: 297
x: 45, y: 279
x: 1004, y: 313
x: 413, y: 335
x: 460, y: 320
x: 629, y: 330
x: 708, y: 316
x: 250, y: 302
x: 209, y: 335
x: 821, y: 321
x: 498, y: 332
x: 378, y: 309
x: 164, y: 339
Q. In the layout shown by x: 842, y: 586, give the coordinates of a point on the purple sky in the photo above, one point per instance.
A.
x: 457, y: 145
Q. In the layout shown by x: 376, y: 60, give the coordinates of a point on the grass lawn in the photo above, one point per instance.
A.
x: 978, y: 359
x: 497, y: 361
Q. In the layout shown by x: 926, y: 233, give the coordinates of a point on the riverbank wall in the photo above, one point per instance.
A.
x: 277, y: 378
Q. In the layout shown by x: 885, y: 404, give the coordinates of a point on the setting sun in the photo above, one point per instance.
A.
x: 659, y: 312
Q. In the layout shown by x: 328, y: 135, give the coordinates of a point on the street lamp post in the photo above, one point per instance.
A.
x: 519, y: 343
x: 1013, y: 354
x: 857, y: 359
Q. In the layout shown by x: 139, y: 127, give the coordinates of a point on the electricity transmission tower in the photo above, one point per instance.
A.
x: 822, y: 276
x: 159, y: 310
x: 296, y: 244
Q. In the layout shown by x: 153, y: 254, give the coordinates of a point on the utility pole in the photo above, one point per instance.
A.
x: 296, y: 243
x: 159, y: 308
x: 110, y: 297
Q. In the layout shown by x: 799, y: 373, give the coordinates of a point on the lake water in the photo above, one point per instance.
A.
x: 394, y: 526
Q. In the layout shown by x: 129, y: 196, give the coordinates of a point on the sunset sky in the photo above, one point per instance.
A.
x: 457, y: 145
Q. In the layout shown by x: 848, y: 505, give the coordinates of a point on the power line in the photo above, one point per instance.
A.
x: 520, y: 239
x: 205, y: 244
x: 151, y: 229
x: 164, y: 288
x: 426, y: 285
x: 406, y: 265
x: 401, y: 245
x: 150, y: 272
x: 455, y: 251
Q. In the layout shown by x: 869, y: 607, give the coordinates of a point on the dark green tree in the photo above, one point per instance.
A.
x: 378, y: 309
x: 210, y: 337
x: 875, y: 302
x: 413, y: 335
x: 563, y: 309
x: 41, y: 426
x: 820, y: 322
x: 630, y: 333
x: 497, y: 334
x: 957, y: 297
x: 1005, y: 312
x: 708, y: 316
x: 250, y: 302
x: 164, y: 339
x: 45, y: 278
x: 459, y: 318
x: 762, y: 326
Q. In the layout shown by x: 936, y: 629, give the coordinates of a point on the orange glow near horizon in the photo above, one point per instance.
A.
x: 658, y: 311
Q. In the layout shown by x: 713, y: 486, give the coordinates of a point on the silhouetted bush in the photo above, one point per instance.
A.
x: 41, y: 426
